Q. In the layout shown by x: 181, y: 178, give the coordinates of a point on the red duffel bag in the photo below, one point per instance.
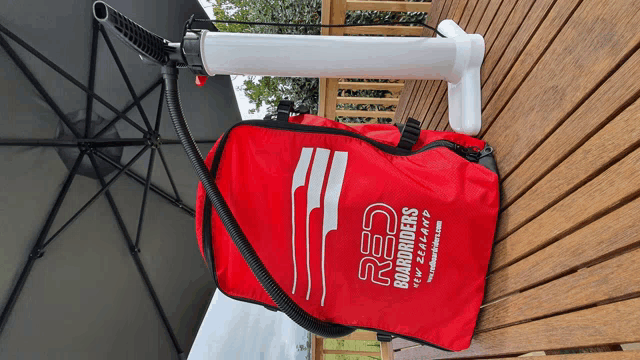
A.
x: 379, y: 227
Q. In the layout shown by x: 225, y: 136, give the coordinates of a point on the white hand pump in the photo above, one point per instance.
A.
x: 456, y: 59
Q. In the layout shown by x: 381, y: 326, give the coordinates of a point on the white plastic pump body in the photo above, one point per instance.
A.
x: 456, y: 59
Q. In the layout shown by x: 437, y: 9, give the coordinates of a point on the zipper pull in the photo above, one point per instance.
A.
x: 474, y: 154
x: 488, y: 150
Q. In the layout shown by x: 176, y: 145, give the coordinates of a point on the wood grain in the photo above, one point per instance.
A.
x: 619, y: 137
x: 350, y: 352
x: 386, y: 351
x: 498, y: 22
x: 612, y: 97
x: 468, y: 11
x: 616, y: 185
x: 479, y: 11
x: 412, y: 96
x: 384, y: 30
x: 365, y: 113
x: 541, y: 41
x: 397, y: 6
x: 367, y: 100
x: 488, y: 16
x: 598, y: 37
x: 610, y: 234
x: 361, y: 335
x: 607, y: 324
x: 509, y: 29
x: 497, y: 67
x: 317, y: 346
x: 455, y: 12
x: 357, y: 85
x: 603, y: 282
x: 619, y: 355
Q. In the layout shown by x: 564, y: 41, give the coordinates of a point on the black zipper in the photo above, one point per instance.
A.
x: 472, y: 154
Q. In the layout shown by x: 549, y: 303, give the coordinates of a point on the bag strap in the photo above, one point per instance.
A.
x: 410, y: 134
x: 285, y: 108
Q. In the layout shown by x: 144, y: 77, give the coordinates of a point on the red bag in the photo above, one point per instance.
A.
x: 378, y: 227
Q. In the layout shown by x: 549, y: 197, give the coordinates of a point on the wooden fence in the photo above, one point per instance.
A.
x: 318, y: 351
x: 334, y: 12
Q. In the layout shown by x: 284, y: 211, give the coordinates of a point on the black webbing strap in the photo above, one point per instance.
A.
x: 410, y: 134
x: 285, y: 108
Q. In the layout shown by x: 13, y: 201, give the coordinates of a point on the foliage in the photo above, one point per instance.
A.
x: 268, y: 91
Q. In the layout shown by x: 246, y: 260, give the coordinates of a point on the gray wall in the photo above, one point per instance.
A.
x: 84, y: 299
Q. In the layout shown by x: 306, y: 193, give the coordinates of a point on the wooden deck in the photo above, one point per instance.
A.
x: 561, y: 82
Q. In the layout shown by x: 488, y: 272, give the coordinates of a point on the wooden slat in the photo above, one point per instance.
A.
x: 609, y: 280
x: 400, y: 117
x: 511, y: 26
x: 409, y: 97
x: 454, y: 12
x: 365, y: 113
x: 366, y: 100
x: 619, y: 137
x: 329, y: 87
x: 384, y: 30
x: 598, y: 37
x: 468, y: 11
x: 361, y: 335
x: 481, y: 7
x: 356, y: 85
x: 615, y: 186
x: 429, y: 121
x: 351, y: 352
x: 494, y: 101
x: 607, y: 324
x: 602, y: 238
x: 500, y: 65
x: 512, y: 12
x: 322, y: 96
x: 331, y: 99
x: 317, y: 346
x: 618, y: 355
x: 386, y: 351
x: 488, y: 16
x: 612, y: 97
x: 396, y: 6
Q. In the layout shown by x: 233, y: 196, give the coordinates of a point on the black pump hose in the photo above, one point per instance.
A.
x: 282, y: 300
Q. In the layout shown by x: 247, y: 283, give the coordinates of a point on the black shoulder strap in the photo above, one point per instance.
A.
x: 410, y: 134
x: 285, y: 107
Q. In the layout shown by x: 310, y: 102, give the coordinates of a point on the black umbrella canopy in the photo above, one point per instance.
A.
x: 79, y: 276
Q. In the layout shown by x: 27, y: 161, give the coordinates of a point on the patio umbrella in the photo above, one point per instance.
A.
x: 98, y: 257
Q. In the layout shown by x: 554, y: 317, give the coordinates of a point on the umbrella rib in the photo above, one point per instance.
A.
x: 75, y: 142
x: 166, y: 169
x: 36, y: 84
x: 92, y: 78
x: 67, y: 76
x: 144, y: 196
x: 133, y: 250
x: 156, y: 129
x: 95, y: 197
x: 177, y: 142
x: 128, y: 108
x: 153, y: 187
x: 36, y: 250
x: 116, y: 58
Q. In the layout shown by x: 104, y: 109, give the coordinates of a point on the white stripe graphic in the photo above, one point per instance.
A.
x: 331, y: 199
x: 316, y: 180
x: 299, y: 179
